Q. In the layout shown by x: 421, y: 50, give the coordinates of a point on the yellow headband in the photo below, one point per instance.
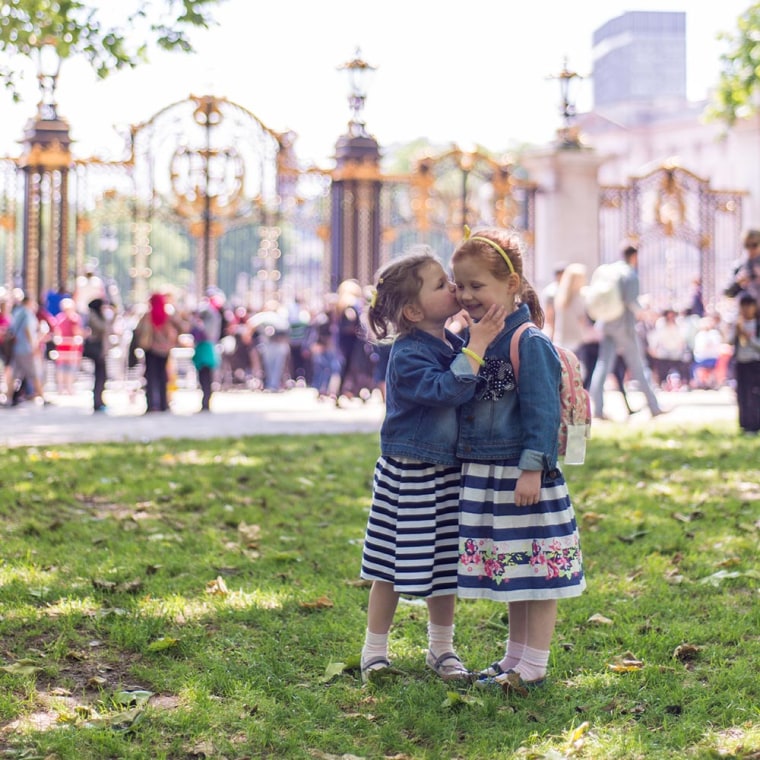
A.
x: 498, y: 248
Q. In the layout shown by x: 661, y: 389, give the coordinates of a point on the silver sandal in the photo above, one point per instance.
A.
x: 448, y: 667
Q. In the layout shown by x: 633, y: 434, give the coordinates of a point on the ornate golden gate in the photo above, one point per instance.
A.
x: 685, y: 231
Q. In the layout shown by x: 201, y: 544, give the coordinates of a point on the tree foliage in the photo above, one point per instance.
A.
x: 738, y: 92
x: 110, y: 36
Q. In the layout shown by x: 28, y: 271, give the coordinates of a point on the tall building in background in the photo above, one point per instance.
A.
x: 639, y: 65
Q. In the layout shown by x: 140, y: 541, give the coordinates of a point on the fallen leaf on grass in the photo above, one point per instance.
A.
x: 122, y: 722
x: 250, y: 534
x: 625, y: 663
x: 723, y: 575
x: 455, y: 700
x: 577, y: 737
x: 631, y: 537
x: 128, y: 587
x: 22, y: 668
x: 202, y: 749
x: 320, y: 603
x: 333, y: 670
x: 686, y: 652
x: 131, y: 697
x: 599, y: 619
x: 217, y: 586
x: 159, y: 645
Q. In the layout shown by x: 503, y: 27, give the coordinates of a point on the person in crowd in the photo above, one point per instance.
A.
x: 669, y: 353
x: 26, y: 372
x: 708, y: 345
x: 206, y: 330
x: 54, y: 299
x: 299, y: 318
x: 548, y: 295
x: 273, y: 345
x: 355, y: 350
x: 68, y: 335
x: 88, y: 287
x: 323, y: 353
x: 746, y: 342
x: 518, y: 537
x: 696, y: 300
x: 97, y: 344
x: 572, y: 327
x: 158, y: 332
x: 410, y: 545
x: 619, y: 336
x: 6, y: 351
x: 746, y: 275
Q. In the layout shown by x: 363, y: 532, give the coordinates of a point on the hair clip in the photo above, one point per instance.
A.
x: 467, y: 232
x: 373, y: 298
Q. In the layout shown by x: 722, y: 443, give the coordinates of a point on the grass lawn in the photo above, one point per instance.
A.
x: 200, y: 599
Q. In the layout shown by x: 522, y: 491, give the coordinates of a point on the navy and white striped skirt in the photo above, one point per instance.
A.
x: 412, y: 538
x: 509, y: 553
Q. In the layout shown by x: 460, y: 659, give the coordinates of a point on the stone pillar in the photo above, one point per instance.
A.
x: 567, y: 207
x: 355, y: 193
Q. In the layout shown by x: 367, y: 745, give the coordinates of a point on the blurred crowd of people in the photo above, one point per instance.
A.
x: 328, y: 347
x: 87, y: 334
x: 679, y: 349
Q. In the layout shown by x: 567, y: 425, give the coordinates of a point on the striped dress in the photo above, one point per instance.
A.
x: 412, y: 534
x: 509, y: 553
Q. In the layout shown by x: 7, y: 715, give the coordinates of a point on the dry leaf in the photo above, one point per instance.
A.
x: 320, y: 603
x: 250, y: 534
x: 217, y: 586
x: 599, y: 620
x: 686, y: 652
x: 626, y: 663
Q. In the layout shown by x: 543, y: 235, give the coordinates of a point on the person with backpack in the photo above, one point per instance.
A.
x: 619, y: 336
x: 518, y: 537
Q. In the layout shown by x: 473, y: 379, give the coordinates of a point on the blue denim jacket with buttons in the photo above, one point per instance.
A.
x: 426, y: 381
x: 500, y: 423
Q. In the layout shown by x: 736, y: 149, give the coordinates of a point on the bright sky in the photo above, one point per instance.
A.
x: 473, y: 72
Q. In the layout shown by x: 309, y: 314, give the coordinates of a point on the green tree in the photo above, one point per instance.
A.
x: 110, y: 38
x: 738, y: 92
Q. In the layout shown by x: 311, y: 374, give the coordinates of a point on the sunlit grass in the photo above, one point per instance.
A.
x: 220, y: 577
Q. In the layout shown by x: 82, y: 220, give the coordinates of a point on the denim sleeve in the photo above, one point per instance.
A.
x: 420, y: 376
x: 539, y: 402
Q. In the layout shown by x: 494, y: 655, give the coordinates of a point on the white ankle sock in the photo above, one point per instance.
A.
x: 440, y: 639
x: 512, y: 655
x: 375, y: 645
x: 532, y: 665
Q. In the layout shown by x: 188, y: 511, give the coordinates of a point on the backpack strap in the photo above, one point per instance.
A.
x: 514, y: 347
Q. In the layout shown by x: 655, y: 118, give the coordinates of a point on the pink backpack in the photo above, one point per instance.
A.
x: 574, y: 399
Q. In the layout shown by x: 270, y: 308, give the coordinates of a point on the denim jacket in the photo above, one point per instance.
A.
x: 500, y: 423
x: 426, y: 381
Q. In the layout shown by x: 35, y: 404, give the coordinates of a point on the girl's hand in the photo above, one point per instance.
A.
x: 528, y: 488
x: 487, y: 328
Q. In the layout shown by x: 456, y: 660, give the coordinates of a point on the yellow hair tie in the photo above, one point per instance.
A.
x: 498, y: 248
x: 467, y: 232
x: 373, y: 294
